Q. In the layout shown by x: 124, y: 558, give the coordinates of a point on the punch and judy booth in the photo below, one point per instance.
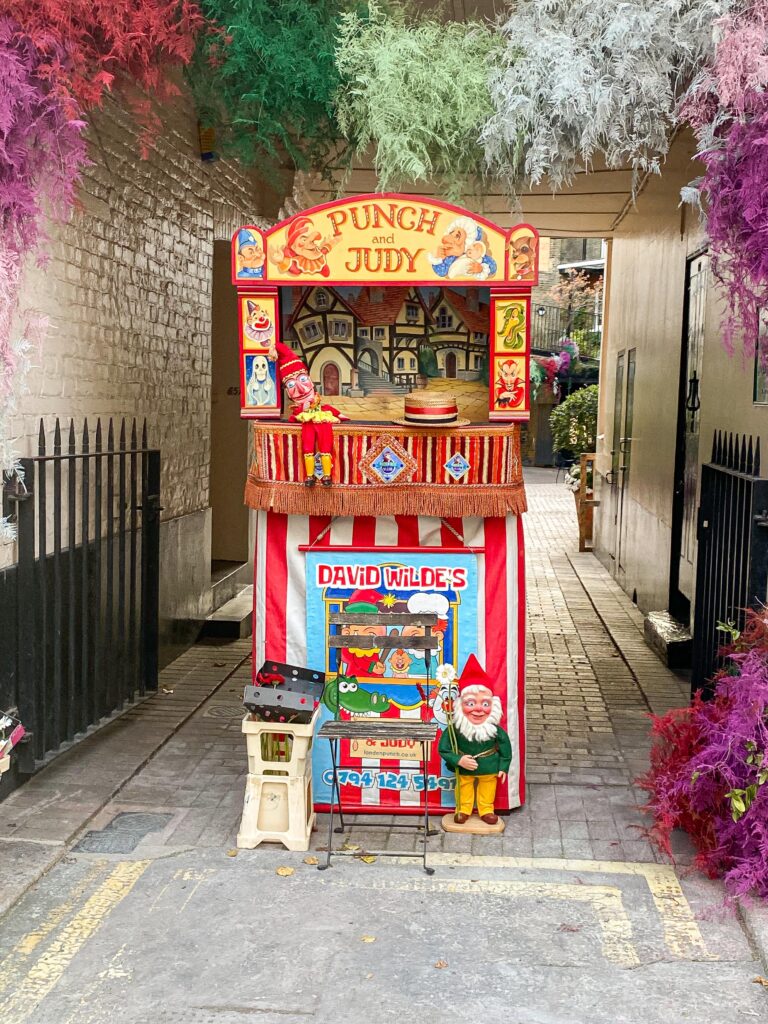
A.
x: 394, y: 334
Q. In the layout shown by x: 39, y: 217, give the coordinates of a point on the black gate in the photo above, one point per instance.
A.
x: 732, y: 556
x: 79, y: 609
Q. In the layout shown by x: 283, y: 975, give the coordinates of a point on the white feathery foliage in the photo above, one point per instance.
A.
x: 580, y: 79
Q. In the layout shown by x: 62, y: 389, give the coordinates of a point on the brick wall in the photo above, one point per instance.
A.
x: 128, y: 290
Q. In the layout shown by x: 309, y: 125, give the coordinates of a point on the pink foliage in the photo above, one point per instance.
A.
x: 728, y: 110
x: 705, y: 755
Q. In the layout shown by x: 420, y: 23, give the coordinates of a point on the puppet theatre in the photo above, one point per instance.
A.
x: 384, y: 350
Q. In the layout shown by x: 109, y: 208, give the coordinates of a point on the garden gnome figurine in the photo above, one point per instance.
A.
x: 484, y: 751
x: 315, y: 418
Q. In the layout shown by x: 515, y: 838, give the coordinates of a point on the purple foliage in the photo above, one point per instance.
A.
x: 42, y: 149
x: 724, y: 749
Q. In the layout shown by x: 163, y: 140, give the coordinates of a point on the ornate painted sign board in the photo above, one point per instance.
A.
x: 383, y: 240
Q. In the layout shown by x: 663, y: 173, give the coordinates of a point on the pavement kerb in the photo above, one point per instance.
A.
x: 11, y: 896
x: 754, y: 920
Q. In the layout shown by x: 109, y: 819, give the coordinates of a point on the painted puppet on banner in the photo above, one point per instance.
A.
x: 249, y: 255
x: 477, y: 747
x: 259, y: 391
x: 315, y: 417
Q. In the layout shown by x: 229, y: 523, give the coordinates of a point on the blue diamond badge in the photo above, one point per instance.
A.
x: 457, y: 466
x: 387, y: 465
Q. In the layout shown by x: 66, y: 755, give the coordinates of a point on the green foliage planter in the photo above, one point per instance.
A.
x: 416, y: 90
x: 574, y: 422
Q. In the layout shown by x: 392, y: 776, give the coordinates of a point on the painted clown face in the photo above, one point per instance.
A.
x: 441, y: 699
x: 477, y: 706
x: 299, y: 388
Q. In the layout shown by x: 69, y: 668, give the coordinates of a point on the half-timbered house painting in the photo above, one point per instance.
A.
x: 459, y: 337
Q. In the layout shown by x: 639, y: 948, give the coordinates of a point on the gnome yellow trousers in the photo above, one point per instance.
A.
x: 486, y: 794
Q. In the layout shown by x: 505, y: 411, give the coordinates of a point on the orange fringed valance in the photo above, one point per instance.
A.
x: 492, y: 484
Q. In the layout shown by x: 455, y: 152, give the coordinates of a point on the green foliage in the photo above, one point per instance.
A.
x: 416, y: 91
x: 266, y: 78
x: 428, y: 362
x: 574, y: 422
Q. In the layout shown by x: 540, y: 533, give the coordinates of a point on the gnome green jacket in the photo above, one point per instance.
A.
x: 498, y: 760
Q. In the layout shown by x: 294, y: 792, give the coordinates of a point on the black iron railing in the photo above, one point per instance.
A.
x: 81, y: 602
x: 732, y: 555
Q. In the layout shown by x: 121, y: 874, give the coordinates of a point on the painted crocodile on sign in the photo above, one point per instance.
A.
x: 343, y: 693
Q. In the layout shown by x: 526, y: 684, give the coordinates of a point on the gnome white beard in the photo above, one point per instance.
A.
x: 486, y: 730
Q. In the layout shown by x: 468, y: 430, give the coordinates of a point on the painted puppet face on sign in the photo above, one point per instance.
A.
x: 307, y: 244
x: 477, y: 706
x: 510, y: 373
x: 299, y: 387
x: 260, y: 369
x: 252, y: 256
x: 522, y: 255
x: 454, y: 242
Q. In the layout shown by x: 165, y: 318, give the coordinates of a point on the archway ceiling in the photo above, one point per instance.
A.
x: 592, y: 206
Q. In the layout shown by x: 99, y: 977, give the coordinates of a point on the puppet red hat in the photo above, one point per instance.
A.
x: 474, y: 674
x: 295, y: 228
x: 363, y: 601
x: 287, y: 361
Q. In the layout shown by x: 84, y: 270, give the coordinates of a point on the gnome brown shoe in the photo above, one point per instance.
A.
x: 460, y: 818
x: 490, y: 819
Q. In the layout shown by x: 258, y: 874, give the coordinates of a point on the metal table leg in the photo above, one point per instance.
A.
x: 425, y: 770
x: 335, y: 793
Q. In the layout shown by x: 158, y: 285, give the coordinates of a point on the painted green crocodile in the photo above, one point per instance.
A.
x: 343, y: 692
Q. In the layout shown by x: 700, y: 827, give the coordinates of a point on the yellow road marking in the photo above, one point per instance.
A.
x: 615, y: 926
x: 682, y: 935
x: 12, y: 965
x: 47, y: 971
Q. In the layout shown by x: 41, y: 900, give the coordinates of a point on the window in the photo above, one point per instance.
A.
x: 412, y: 363
x: 760, y: 387
x: 478, y: 362
x: 400, y: 363
x: 339, y: 328
x: 411, y: 312
x: 363, y: 332
x: 321, y: 299
x: 310, y: 331
x: 478, y: 336
x: 379, y: 333
x: 444, y: 319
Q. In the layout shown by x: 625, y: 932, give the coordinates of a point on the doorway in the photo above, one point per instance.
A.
x: 625, y: 457
x: 330, y: 379
x: 614, y: 475
x: 450, y: 365
x: 229, y: 441
x: 368, y: 361
x: 683, y: 556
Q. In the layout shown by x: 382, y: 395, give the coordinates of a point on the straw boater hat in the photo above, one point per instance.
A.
x: 431, y: 409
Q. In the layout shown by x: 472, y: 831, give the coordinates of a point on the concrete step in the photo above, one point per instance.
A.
x: 234, y: 619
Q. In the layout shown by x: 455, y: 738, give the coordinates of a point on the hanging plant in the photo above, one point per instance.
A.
x: 728, y: 110
x: 267, y: 77
x: 579, y: 80
x: 416, y: 91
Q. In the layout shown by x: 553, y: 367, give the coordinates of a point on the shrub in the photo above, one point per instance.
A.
x: 574, y: 422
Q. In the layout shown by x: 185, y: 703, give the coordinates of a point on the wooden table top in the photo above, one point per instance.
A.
x: 360, y: 729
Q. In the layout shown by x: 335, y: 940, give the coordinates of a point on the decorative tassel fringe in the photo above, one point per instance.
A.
x: 386, y: 500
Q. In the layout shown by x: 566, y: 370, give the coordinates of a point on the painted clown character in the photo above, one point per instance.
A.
x: 363, y: 661
x: 250, y: 258
x: 484, y: 751
x: 305, y: 250
x: 508, y: 388
x: 463, y: 252
x: 316, y: 419
x: 258, y: 326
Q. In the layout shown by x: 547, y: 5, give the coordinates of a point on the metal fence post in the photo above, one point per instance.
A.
x: 150, y: 577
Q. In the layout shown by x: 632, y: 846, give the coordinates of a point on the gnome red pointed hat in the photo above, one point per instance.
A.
x: 476, y: 716
x: 288, y: 362
x: 474, y: 674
